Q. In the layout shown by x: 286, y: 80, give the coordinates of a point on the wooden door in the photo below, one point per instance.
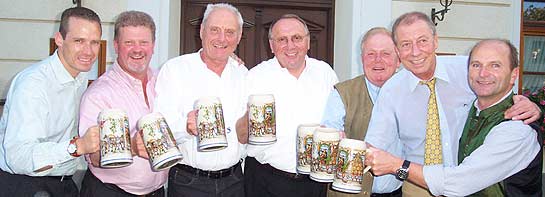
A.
x: 258, y: 16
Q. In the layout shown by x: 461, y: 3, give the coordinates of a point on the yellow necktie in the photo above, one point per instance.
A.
x: 433, y: 153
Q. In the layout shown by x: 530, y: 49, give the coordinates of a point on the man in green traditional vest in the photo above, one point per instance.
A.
x: 497, y: 156
x: 350, y: 104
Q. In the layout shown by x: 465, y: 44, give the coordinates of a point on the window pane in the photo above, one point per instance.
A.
x: 534, y: 11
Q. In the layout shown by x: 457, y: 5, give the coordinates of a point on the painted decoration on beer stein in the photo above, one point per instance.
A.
x: 324, y: 154
x: 210, y: 125
x: 262, y: 119
x: 115, y: 142
x: 159, y: 142
x: 350, y: 167
x: 304, y: 147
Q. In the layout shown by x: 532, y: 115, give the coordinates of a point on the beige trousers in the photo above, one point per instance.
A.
x: 412, y: 190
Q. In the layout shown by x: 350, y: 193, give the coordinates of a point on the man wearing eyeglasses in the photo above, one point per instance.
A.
x: 300, y: 86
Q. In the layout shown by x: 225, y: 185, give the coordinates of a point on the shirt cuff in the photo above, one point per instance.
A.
x: 53, y: 156
x: 434, y: 176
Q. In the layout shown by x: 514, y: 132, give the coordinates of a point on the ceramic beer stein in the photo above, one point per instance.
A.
x: 324, y: 154
x: 350, y: 168
x: 304, y: 147
x: 210, y: 124
x: 115, y: 139
x: 261, y: 119
x: 159, y: 142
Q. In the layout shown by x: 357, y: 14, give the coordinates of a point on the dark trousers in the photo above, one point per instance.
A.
x: 23, y: 185
x: 183, y: 183
x: 262, y: 180
x: 92, y: 186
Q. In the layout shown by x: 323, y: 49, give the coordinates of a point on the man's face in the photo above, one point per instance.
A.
x: 416, y: 46
x: 379, y: 58
x: 134, y: 48
x: 78, y: 50
x: 289, y: 43
x: 490, y: 74
x: 220, y: 35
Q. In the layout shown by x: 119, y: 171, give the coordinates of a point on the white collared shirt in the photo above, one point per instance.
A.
x: 183, y: 80
x: 40, y: 119
x: 298, y: 101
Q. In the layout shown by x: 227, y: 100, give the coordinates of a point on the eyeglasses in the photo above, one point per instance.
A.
x: 295, y: 39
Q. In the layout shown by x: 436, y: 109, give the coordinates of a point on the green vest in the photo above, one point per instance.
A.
x: 358, y: 107
x: 475, y: 131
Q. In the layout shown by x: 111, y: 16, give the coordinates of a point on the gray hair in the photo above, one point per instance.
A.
x: 410, y: 18
x: 374, y: 31
x: 211, y: 7
x: 288, y: 16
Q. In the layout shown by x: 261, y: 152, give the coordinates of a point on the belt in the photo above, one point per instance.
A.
x: 206, y: 173
x: 391, y: 194
x: 269, y: 168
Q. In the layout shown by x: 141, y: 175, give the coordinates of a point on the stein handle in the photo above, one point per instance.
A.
x: 366, y: 169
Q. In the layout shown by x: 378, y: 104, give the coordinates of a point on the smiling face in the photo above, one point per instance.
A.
x: 416, y: 47
x: 490, y: 73
x: 290, y: 42
x: 134, y: 48
x: 379, y: 58
x: 220, y: 35
x: 79, y: 48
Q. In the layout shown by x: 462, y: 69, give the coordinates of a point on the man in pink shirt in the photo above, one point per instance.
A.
x: 127, y: 85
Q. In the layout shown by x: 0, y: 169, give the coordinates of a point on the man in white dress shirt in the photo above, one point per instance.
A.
x: 39, y: 126
x: 185, y: 79
x: 300, y: 86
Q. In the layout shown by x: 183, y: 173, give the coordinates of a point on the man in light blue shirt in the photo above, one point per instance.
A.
x: 399, y: 119
x: 349, y: 105
x: 40, y: 149
x: 492, y: 148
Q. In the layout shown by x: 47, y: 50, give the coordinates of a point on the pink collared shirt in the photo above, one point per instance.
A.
x: 117, y: 89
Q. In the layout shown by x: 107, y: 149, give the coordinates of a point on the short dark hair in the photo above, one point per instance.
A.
x: 410, y: 18
x: 513, y: 53
x: 135, y: 19
x: 77, y: 12
x: 288, y: 16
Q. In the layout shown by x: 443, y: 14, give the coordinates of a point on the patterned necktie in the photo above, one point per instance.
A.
x: 433, y: 153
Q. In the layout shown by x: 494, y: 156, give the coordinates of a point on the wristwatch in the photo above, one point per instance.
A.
x: 403, y: 172
x: 73, y: 148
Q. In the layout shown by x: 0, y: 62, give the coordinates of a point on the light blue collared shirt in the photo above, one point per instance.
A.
x: 40, y: 118
x: 398, y: 123
x: 335, y: 113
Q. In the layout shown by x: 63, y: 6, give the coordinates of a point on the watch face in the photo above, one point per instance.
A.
x: 402, y: 174
x: 71, y: 148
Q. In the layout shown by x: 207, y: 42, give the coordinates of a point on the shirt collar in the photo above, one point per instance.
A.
x: 231, y: 63
x: 277, y: 63
x: 127, y: 77
x: 62, y: 75
x: 372, y: 89
x: 479, y: 110
x: 440, y: 74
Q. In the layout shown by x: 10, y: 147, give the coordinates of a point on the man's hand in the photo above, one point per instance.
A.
x: 191, y: 126
x: 242, y: 129
x: 94, y: 158
x: 90, y: 142
x: 381, y: 162
x: 137, y: 146
x: 523, y: 109
x: 240, y: 62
